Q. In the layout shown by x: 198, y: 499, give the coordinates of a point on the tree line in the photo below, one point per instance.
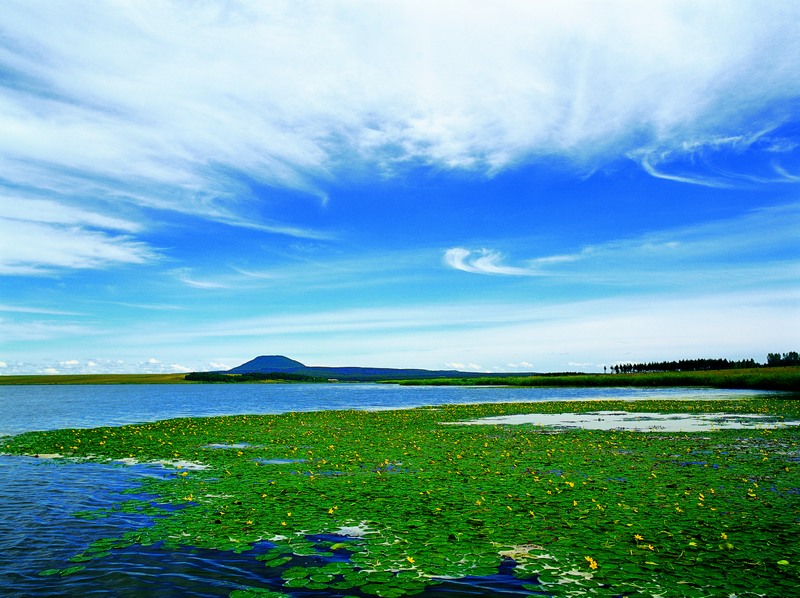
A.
x: 249, y: 377
x: 792, y: 358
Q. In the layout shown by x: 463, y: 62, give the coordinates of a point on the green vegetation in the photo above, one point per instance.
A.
x: 792, y: 358
x: 95, y: 379
x: 215, y: 377
x: 773, y: 378
x: 600, y: 512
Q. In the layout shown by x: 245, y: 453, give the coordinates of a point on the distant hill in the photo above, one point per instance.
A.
x: 266, y: 364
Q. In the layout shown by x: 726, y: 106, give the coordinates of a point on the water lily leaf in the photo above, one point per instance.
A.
x: 71, y: 570
x: 49, y: 572
x: 297, y: 582
x: 277, y: 561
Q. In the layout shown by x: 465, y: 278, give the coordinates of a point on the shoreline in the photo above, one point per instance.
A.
x: 786, y: 378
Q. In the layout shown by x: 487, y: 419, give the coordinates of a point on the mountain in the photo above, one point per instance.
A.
x: 268, y: 364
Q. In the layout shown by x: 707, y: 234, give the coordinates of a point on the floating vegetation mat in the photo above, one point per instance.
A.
x: 391, y: 503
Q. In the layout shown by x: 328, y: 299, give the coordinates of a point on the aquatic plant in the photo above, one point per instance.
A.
x: 388, y: 503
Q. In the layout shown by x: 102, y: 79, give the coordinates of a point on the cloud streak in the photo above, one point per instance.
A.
x: 597, y: 331
x: 682, y: 254
x: 482, y: 261
x: 187, y: 108
x: 56, y: 248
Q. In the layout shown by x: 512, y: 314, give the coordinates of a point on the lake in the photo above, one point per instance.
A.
x: 38, y: 496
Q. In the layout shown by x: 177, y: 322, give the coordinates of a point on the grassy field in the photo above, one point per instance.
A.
x: 96, y: 379
x: 415, y: 502
x: 773, y: 378
x: 777, y: 378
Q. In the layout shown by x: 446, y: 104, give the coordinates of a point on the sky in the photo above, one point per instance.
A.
x: 505, y: 186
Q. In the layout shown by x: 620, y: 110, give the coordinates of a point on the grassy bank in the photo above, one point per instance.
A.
x: 600, y: 512
x: 778, y: 378
x: 96, y: 379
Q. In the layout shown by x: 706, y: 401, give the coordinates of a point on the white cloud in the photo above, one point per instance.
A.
x: 36, y: 330
x: 180, y: 107
x: 53, y: 212
x: 685, y: 253
x: 69, y: 362
x: 482, y: 261
x: 4, y: 307
x: 520, y: 365
x: 630, y: 328
x: 185, y: 276
x: 3, y: 364
x: 153, y: 361
x: 58, y: 247
x: 465, y: 367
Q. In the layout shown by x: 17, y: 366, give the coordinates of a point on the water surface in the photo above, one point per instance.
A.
x: 46, y: 407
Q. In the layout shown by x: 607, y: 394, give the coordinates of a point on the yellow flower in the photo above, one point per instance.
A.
x: 592, y: 562
x: 724, y: 536
x: 638, y: 537
x: 410, y: 559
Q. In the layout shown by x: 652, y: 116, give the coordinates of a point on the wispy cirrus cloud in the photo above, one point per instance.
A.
x: 41, y: 248
x: 26, y: 309
x: 171, y: 106
x: 483, y: 261
x: 435, y: 335
x: 186, y: 276
x: 684, y: 253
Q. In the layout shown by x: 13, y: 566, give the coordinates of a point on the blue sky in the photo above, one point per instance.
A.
x: 507, y: 187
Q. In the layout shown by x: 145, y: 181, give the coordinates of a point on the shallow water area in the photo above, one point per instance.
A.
x: 639, y: 422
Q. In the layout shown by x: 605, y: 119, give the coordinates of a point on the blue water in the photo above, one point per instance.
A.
x: 47, y: 407
x: 38, y: 497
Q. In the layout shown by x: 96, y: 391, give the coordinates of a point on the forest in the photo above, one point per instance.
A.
x: 791, y: 358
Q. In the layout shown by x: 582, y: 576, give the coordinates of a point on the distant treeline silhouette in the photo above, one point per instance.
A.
x: 248, y: 377
x: 698, y: 365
